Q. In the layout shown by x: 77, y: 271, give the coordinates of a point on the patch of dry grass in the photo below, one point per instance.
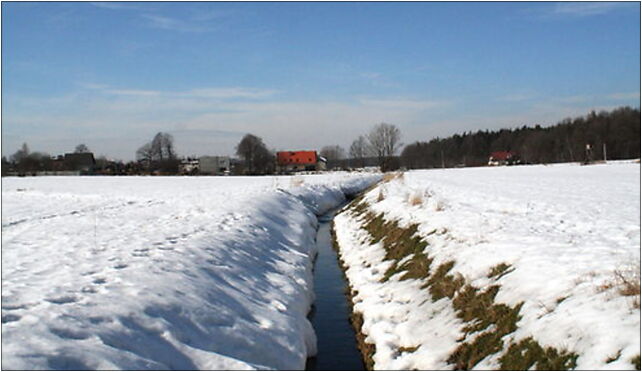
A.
x: 528, y: 355
x: 636, y: 362
x: 381, y: 196
x: 415, y: 199
x: 486, y: 321
x: 410, y: 349
x: 627, y: 283
x: 440, y: 206
x: 392, y: 176
x: 297, y: 181
x: 500, y: 270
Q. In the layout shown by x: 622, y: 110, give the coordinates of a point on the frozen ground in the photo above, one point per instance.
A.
x: 161, y: 273
x: 564, y: 229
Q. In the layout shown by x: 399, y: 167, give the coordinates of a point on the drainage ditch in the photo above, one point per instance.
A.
x: 330, y: 314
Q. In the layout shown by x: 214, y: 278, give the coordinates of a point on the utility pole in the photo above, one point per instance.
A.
x: 604, y: 151
x: 443, y: 165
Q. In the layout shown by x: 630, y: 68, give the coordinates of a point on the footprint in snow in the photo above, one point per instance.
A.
x: 66, y: 299
x: 14, y: 306
x: 120, y: 266
x: 97, y: 319
x: 142, y: 252
x: 69, y: 333
x: 8, y: 318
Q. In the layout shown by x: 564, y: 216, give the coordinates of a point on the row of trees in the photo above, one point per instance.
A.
x: 381, y: 143
x: 24, y: 161
x: 610, y: 135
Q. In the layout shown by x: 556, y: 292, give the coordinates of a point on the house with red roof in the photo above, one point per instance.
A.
x: 297, y: 161
x: 503, y: 158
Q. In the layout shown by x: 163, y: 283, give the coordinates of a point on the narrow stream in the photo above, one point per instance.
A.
x: 336, y: 342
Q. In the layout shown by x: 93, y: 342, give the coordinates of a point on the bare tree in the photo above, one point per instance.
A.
x: 255, y: 154
x: 5, y: 166
x: 168, y: 146
x: 333, y: 155
x: 144, y: 153
x: 162, y: 147
x: 82, y: 148
x: 21, y: 154
x: 359, y: 151
x: 159, y: 154
x: 383, y: 141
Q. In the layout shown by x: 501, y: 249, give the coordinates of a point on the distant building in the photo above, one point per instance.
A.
x: 296, y: 161
x: 80, y: 161
x: 214, y: 165
x: 188, y: 166
x: 58, y: 163
x: 503, y: 158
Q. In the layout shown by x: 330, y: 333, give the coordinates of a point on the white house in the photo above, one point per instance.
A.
x: 214, y: 165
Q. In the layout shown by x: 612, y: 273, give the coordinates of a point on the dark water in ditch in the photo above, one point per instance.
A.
x: 336, y: 342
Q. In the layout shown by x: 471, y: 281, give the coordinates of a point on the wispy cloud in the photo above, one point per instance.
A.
x: 579, y: 98
x: 625, y: 96
x: 225, y: 93
x: 404, y: 104
x: 516, y: 97
x: 132, y: 92
x: 201, y: 21
x: 370, y: 75
x: 219, y: 93
x: 570, y: 99
x: 584, y: 98
x: 584, y: 9
x: 195, y: 23
x: 574, y: 9
x: 114, y: 5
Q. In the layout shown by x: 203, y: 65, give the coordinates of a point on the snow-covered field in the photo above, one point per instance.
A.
x: 565, y: 231
x: 161, y: 273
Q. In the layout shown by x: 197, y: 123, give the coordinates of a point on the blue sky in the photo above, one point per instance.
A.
x: 304, y: 75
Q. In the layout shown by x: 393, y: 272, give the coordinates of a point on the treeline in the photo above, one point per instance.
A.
x: 616, y: 132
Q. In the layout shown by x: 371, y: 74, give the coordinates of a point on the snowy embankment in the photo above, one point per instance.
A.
x: 485, y: 268
x: 162, y: 273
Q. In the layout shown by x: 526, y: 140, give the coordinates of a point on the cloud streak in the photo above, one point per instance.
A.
x: 625, y: 96
x: 219, y: 93
x: 584, y: 9
x: 574, y: 9
x: 177, y: 24
x: 197, y: 22
x: 115, y: 5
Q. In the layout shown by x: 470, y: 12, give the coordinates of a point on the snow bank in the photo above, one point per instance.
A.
x: 161, y: 273
x: 564, y: 231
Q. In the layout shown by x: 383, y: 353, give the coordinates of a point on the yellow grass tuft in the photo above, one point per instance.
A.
x: 415, y: 199
x: 627, y: 283
x: 391, y: 176
x: 297, y: 181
